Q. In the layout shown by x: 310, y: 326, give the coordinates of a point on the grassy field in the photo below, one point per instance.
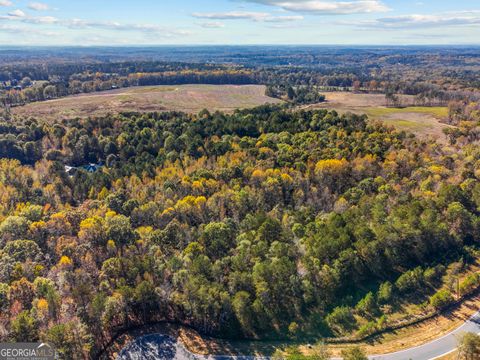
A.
x: 420, y: 120
x: 188, y: 98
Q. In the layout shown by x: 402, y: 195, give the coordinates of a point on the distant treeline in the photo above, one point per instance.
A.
x: 431, y: 81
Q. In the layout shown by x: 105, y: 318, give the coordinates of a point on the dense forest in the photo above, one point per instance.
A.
x: 266, y: 223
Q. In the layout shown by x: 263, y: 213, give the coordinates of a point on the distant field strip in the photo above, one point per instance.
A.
x: 188, y: 98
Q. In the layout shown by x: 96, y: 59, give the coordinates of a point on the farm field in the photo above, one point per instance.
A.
x: 420, y: 120
x: 188, y: 98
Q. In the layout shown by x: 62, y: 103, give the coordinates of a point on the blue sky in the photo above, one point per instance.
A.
x: 149, y: 22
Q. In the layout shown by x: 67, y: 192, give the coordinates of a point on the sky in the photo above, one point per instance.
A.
x: 238, y: 22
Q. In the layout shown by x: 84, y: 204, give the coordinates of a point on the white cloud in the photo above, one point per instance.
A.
x: 466, y: 18
x: 6, y: 28
x: 155, y: 30
x: 246, y: 15
x: 320, y: 7
x: 158, y: 30
x: 281, y: 19
x: 9, y: 29
x: 284, y: 26
x: 17, y: 13
x: 38, y: 6
x: 232, y: 15
x: 212, y: 25
x: 41, y: 20
x: 5, y: 3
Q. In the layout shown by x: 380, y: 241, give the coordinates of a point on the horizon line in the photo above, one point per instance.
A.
x: 233, y: 45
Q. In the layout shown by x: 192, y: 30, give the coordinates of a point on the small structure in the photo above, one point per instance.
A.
x: 91, y: 168
x: 70, y: 170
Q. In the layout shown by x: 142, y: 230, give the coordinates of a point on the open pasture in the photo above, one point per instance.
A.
x: 188, y: 98
x: 421, y: 120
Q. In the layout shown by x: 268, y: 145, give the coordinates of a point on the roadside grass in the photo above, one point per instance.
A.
x: 422, y: 332
x: 415, y: 335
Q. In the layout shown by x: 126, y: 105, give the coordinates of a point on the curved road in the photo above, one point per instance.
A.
x: 163, y: 347
x: 437, y: 348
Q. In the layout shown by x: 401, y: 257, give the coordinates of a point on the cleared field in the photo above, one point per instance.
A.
x: 420, y: 120
x: 188, y: 98
x: 352, y: 100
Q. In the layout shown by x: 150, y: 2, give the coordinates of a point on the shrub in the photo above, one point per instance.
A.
x: 385, y: 293
x: 434, y: 275
x: 469, y: 284
x: 411, y: 281
x: 354, y: 353
x: 441, y: 299
x: 341, y: 319
x: 367, y: 306
x: 367, y: 329
x: 469, y: 346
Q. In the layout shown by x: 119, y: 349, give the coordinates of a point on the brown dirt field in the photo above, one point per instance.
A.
x: 188, y: 98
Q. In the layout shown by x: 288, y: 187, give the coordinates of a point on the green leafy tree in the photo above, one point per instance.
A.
x: 441, y: 299
x: 341, y: 320
x: 218, y: 238
x: 24, y: 328
x: 469, y: 346
x: 385, y: 293
x: 367, y: 306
